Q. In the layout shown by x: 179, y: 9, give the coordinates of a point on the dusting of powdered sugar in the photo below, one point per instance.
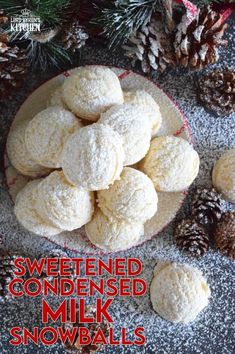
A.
x: 213, y: 330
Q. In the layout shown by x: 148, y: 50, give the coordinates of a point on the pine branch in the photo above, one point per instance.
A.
x: 51, y: 12
x: 122, y: 17
x: 43, y: 49
x: 12, y: 6
x: 42, y: 55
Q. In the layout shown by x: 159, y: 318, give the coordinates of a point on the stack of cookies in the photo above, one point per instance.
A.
x: 95, y: 160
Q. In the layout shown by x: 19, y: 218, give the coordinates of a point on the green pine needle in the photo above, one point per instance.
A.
x: 12, y: 6
x: 51, y: 12
x: 123, y: 17
x: 44, y: 55
x: 119, y: 18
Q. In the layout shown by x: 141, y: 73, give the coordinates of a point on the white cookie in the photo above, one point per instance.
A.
x: 89, y: 91
x: 27, y: 215
x: 178, y: 292
x: 93, y: 157
x: 19, y: 155
x: 113, y: 234
x: 63, y: 205
x: 171, y: 163
x: 130, y: 122
x: 47, y: 133
x: 223, y: 175
x: 132, y: 197
x: 145, y: 100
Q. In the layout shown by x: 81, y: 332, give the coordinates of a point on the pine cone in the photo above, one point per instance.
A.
x: 217, y: 91
x: 206, y: 206
x: 191, y: 237
x: 196, y: 41
x: 74, y: 37
x: 3, y: 18
x: 151, y: 46
x: 13, y: 66
x: 56, y: 254
x: 45, y: 36
x: 3, y: 43
x: 76, y: 348
x: 225, y: 234
x: 6, y: 275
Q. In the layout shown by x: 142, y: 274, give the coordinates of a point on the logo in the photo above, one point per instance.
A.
x: 25, y: 22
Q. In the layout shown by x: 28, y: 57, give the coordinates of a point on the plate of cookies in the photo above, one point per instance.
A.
x: 98, y: 160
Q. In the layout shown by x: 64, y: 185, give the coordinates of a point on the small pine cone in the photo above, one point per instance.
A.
x: 216, y: 91
x: 3, y: 18
x: 206, y: 206
x: 196, y: 41
x: 77, y: 348
x: 4, y: 39
x: 74, y: 37
x: 13, y: 66
x: 56, y: 253
x: 151, y: 46
x: 45, y: 36
x: 7, y: 275
x: 191, y: 238
x: 224, y: 234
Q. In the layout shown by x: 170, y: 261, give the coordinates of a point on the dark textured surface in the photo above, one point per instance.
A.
x: 213, y: 331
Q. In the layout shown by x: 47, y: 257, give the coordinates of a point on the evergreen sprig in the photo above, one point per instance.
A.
x: 50, y: 11
x: 120, y: 18
x: 52, y: 14
x: 42, y: 55
x: 11, y: 7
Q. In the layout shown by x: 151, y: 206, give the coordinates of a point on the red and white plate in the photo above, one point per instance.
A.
x: 174, y: 123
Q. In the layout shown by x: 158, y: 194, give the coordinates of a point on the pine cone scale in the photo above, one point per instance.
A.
x: 73, y: 37
x: 196, y: 43
x: 151, y: 46
x: 217, y: 91
x: 13, y: 65
x: 3, y: 19
x: 192, y: 238
x: 206, y: 206
x: 6, y: 274
x: 224, y: 234
x: 76, y: 347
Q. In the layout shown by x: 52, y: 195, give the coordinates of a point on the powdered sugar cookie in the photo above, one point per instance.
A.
x: 223, y: 175
x: 113, y: 234
x: 19, y: 155
x: 174, y: 123
x: 145, y: 100
x: 128, y: 121
x: 171, y: 163
x: 178, y: 292
x: 27, y: 215
x: 47, y: 133
x: 132, y: 197
x: 93, y: 157
x: 89, y: 91
x: 63, y: 205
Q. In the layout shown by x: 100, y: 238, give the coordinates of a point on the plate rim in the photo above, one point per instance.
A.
x: 185, y: 126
